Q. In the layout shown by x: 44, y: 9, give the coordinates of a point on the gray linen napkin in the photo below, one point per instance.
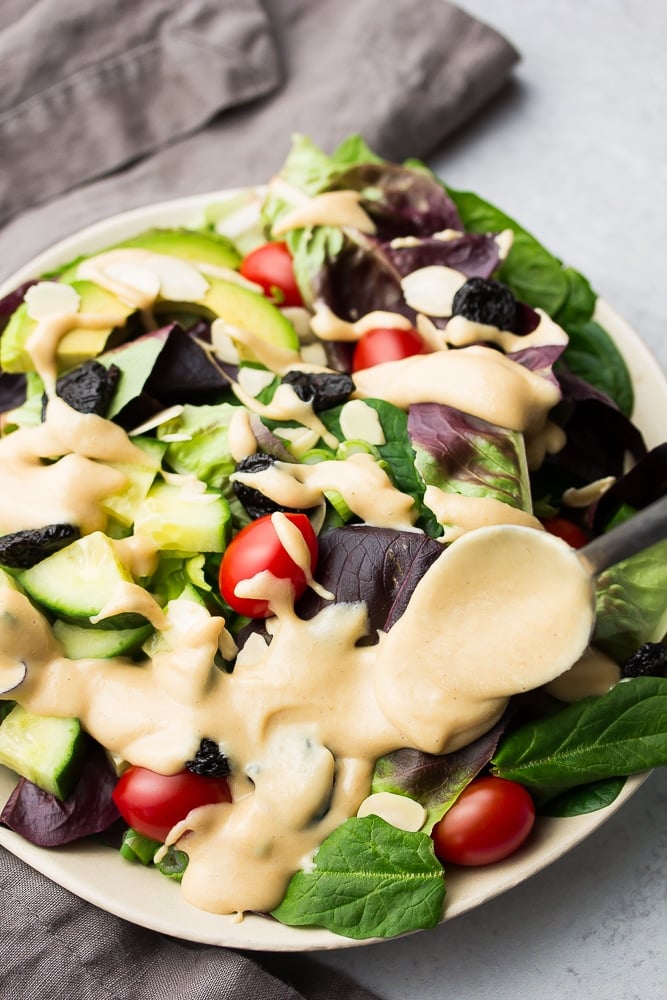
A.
x: 404, y: 73
x: 110, y: 105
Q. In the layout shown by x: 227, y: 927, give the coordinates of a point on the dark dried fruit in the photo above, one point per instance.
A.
x: 23, y: 549
x: 209, y: 761
x: 322, y: 389
x: 256, y: 503
x: 88, y: 388
x: 650, y: 660
x: 483, y: 300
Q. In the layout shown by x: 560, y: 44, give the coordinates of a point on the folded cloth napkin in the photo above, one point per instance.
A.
x: 110, y: 105
x: 127, y: 86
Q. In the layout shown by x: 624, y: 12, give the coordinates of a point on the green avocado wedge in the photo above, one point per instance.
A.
x: 79, y: 344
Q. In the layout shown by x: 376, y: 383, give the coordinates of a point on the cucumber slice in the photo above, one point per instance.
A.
x: 45, y: 750
x: 174, y: 519
x: 123, y: 506
x: 98, y: 644
x: 79, y: 580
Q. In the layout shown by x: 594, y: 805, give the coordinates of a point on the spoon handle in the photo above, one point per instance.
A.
x: 634, y: 535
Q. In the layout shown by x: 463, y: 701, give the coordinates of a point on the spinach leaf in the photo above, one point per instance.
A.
x: 369, y: 880
x: 584, y: 798
x: 621, y: 732
x: 534, y: 275
x: 593, y: 356
x: 540, y: 279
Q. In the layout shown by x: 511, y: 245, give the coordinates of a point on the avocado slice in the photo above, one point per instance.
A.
x: 187, y: 244
x: 79, y: 344
x: 241, y: 307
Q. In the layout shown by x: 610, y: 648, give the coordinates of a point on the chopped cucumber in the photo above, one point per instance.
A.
x: 123, y: 506
x: 79, y: 581
x: 47, y: 751
x: 98, y: 644
x: 174, y: 519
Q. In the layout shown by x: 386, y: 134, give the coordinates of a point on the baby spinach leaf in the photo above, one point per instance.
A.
x: 540, y: 279
x: 584, y: 798
x: 593, y: 356
x: 621, y: 732
x: 369, y: 880
x: 534, y: 275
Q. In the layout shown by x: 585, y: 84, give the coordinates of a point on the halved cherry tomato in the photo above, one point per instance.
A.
x: 256, y: 548
x: 386, y: 344
x: 570, y: 532
x: 489, y: 821
x: 270, y: 266
x: 153, y: 803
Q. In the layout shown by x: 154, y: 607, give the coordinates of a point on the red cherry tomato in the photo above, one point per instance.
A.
x: 270, y: 266
x: 257, y: 548
x: 567, y: 530
x: 153, y: 803
x: 489, y: 821
x: 386, y: 344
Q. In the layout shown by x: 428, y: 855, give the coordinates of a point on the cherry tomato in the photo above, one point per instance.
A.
x: 386, y: 344
x: 153, y: 803
x: 567, y: 530
x: 256, y: 548
x: 489, y: 821
x: 270, y: 266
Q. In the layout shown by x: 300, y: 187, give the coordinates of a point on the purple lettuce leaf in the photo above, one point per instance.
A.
x: 539, y: 359
x: 9, y: 303
x: 377, y: 565
x: 12, y: 390
x: 645, y: 482
x: 473, y: 254
x: 401, y: 201
x: 359, y: 280
x: 464, y: 454
x: 436, y: 781
x: 160, y: 368
x: 46, y: 821
x: 598, y: 434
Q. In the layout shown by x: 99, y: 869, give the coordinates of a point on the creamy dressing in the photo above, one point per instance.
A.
x: 331, y: 208
x: 302, y: 719
x: 476, y: 380
x: 460, y: 332
x: 363, y: 484
x: 305, y: 717
x: 458, y: 513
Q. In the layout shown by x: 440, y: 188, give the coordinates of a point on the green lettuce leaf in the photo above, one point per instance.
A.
x: 198, y: 443
x: 631, y: 603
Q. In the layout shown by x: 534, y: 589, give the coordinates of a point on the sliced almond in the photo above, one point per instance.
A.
x: 431, y: 289
x: 360, y: 422
x: 137, y: 276
x: 51, y: 298
x: 179, y: 280
x: 399, y: 810
x: 254, y: 380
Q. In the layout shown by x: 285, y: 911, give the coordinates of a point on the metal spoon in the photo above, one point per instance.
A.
x: 634, y: 535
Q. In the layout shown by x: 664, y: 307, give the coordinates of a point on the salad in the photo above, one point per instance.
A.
x: 291, y: 602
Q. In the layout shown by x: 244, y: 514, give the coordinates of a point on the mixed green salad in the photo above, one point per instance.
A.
x: 233, y: 355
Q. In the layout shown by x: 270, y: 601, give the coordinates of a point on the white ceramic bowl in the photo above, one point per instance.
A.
x: 139, y: 894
